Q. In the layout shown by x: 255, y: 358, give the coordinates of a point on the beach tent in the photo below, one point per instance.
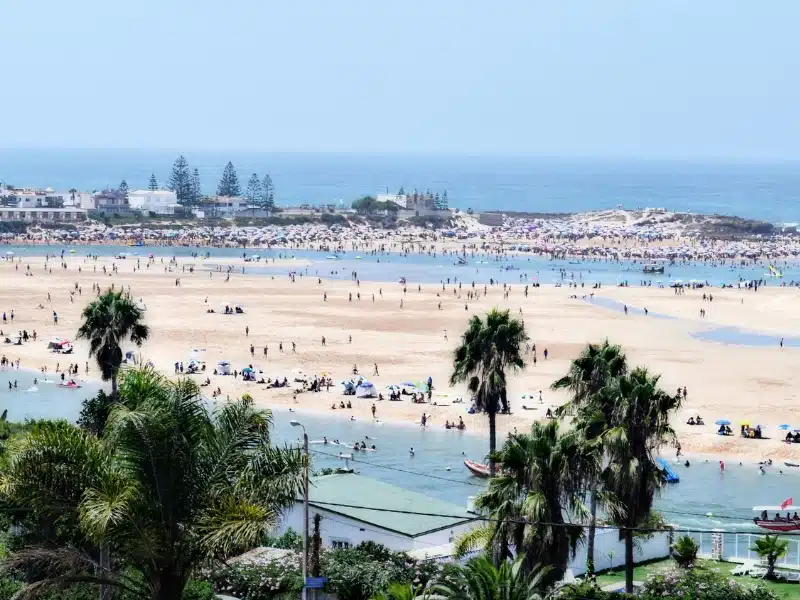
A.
x: 365, y: 390
x: 224, y: 367
x: 60, y: 345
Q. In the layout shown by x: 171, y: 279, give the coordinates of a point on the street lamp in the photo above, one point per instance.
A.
x: 295, y: 423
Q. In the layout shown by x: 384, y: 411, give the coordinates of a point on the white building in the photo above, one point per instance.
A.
x: 33, y: 198
x: 335, y: 496
x: 400, y: 200
x: 160, y: 202
x: 49, y: 215
x: 225, y: 206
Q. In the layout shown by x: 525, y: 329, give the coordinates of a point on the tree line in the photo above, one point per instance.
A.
x: 185, y: 182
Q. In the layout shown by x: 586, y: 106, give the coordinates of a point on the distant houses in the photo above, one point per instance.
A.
x: 416, y: 204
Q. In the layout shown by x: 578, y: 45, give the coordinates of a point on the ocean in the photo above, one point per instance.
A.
x: 767, y: 191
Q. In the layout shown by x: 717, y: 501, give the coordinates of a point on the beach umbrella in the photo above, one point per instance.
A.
x: 722, y: 422
x: 784, y: 427
x: 745, y: 423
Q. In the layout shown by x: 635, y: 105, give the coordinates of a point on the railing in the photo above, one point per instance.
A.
x: 736, y: 547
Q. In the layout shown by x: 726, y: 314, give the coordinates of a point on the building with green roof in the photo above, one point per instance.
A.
x: 355, y: 508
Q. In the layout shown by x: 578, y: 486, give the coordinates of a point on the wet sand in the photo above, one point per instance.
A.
x: 408, y: 343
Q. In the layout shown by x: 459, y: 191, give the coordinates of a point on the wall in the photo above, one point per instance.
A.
x: 607, y: 540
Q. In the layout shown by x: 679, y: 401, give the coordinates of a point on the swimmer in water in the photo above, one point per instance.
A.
x: 411, y: 451
x: 324, y: 440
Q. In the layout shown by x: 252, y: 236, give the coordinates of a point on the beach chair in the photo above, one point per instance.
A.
x: 791, y: 576
x: 744, y: 568
x: 758, y: 573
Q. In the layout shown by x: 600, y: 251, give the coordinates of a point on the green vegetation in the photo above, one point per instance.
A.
x: 109, y: 321
x: 229, y: 184
x: 367, y: 205
x: 771, y: 548
x: 166, y: 489
x: 487, y: 349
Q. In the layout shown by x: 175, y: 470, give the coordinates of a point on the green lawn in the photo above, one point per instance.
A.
x: 784, y: 590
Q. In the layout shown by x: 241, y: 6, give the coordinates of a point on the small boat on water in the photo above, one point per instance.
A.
x: 791, y: 463
x: 778, y: 523
x: 476, y: 468
x: 462, y: 262
x: 653, y: 268
x: 74, y: 385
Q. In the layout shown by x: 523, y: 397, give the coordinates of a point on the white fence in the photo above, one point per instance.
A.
x: 609, y: 551
x: 735, y: 547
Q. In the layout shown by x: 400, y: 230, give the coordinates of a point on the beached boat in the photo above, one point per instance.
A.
x: 476, y: 468
x: 782, y: 525
x: 653, y: 268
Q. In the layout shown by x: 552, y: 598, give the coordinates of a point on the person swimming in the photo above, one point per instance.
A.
x: 411, y: 451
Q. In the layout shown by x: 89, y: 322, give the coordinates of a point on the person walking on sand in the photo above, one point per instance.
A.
x: 374, y: 410
x: 781, y: 343
x: 266, y: 350
x: 252, y: 350
x: 375, y: 371
x: 247, y: 331
x: 323, y: 341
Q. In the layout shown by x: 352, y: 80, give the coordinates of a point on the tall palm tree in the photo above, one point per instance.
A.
x: 589, y: 380
x: 168, y: 487
x: 640, y: 427
x: 480, y: 579
x: 488, y: 349
x: 536, y: 494
x: 108, y: 322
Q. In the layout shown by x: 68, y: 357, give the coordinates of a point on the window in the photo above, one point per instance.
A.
x: 340, y: 544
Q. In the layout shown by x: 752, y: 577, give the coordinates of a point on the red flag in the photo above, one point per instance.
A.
x: 787, y: 502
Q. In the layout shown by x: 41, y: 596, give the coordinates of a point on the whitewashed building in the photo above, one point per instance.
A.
x: 376, y: 518
x: 160, y: 202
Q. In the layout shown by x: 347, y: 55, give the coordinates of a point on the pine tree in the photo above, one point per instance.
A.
x: 123, y: 189
x: 401, y: 191
x: 267, y: 194
x: 197, y: 192
x: 180, y: 181
x: 153, y: 182
x: 229, y: 184
x: 253, y: 192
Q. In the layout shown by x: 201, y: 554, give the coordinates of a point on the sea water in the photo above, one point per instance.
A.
x: 767, y: 191
x: 518, y: 269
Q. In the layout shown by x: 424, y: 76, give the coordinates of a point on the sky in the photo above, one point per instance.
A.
x: 610, y: 78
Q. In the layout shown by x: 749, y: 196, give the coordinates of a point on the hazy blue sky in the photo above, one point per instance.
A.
x: 670, y: 78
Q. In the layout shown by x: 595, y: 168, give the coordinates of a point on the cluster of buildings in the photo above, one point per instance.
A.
x: 416, y: 204
x: 48, y: 205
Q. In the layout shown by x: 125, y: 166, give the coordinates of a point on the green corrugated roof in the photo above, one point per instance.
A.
x: 327, y: 491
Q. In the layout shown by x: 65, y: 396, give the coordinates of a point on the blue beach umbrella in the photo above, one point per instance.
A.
x: 784, y: 427
x: 722, y: 422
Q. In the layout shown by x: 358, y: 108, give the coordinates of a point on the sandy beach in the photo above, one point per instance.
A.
x: 415, y: 341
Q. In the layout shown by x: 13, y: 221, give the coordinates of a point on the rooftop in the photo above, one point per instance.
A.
x: 377, y: 499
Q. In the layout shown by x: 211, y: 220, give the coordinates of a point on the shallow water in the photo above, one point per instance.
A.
x: 423, y: 268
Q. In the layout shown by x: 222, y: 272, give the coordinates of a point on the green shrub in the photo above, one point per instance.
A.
x: 701, y: 583
x: 198, y: 590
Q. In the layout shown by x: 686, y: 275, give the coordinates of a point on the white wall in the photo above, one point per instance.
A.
x: 607, y: 540
x: 340, y: 528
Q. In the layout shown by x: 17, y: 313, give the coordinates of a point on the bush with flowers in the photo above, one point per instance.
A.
x: 273, y: 578
x: 701, y: 583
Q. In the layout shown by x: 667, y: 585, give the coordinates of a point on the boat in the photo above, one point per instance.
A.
x: 791, y: 463
x: 773, y: 524
x: 461, y: 262
x: 670, y: 476
x: 70, y: 384
x: 476, y: 468
x: 332, y: 257
x: 653, y: 268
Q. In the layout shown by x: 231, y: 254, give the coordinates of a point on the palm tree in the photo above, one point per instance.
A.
x: 589, y: 379
x: 640, y: 427
x: 168, y: 487
x: 109, y: 321
x: 540, y: 483
x: 489, y: 348
x: 772, y: 548
x: 684, y: 551
x: 480, y: 579
x: 399, y: 591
